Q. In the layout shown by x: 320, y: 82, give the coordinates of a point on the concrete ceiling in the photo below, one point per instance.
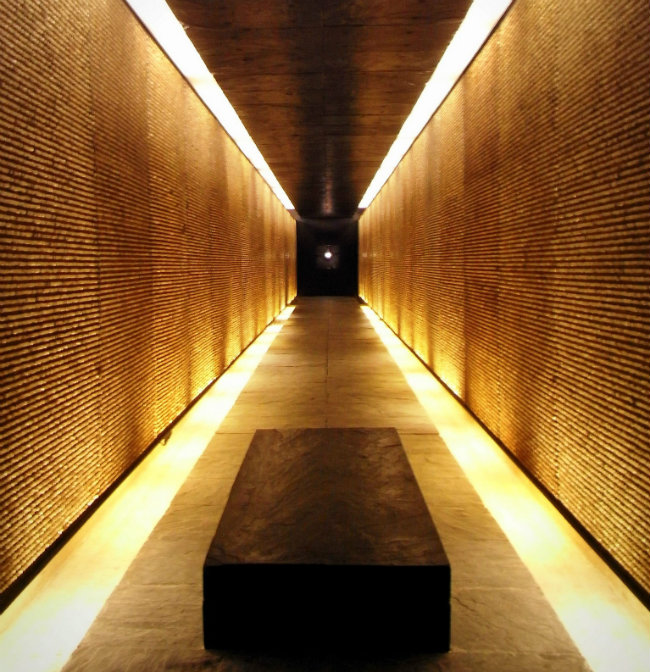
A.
x: 323, y: 86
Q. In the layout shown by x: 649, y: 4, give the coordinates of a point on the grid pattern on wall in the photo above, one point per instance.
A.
x: 511, y: 251
x: 140, y: 253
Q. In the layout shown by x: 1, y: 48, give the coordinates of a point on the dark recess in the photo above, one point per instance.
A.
x: 327, y: 262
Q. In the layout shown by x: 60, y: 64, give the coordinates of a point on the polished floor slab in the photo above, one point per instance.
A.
x: 328, y: 368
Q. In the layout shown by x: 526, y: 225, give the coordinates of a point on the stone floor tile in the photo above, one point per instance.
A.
x: 286, y: 421
x: 205, y: 491
x: 295, y: 359
x: 508, y: 620
x: 428, y: 447
x: 316, y: 395
x: 486, y: 566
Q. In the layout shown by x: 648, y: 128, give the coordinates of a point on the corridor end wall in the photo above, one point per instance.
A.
x: 510, y: 250
x: 140, y: 254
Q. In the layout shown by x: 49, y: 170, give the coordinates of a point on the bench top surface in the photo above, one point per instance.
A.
x: 326, y: 497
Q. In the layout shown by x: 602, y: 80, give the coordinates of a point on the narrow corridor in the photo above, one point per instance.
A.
x: 327, y: 367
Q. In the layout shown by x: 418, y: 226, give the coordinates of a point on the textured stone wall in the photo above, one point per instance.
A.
x: 511, y: 250
x: 140, y: 253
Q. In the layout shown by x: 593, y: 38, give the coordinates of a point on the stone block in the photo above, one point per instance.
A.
x: 326, y: 542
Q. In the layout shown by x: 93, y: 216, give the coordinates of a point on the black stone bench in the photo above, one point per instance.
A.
x: 326, y: 541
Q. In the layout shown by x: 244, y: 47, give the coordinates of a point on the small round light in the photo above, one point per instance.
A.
x: 328, y: 254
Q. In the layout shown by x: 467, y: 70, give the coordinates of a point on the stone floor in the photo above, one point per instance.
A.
x: 327, y: 368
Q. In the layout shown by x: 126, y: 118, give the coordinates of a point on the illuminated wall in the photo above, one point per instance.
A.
x: 140, y: 253
x: 511, y: 250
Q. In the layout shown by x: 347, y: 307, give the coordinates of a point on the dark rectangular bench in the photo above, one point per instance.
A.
x: 326, y: 541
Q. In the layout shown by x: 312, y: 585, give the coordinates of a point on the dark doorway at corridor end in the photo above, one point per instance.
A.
x: 328, y: 253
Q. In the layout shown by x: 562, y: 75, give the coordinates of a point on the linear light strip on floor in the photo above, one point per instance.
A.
x: 608, y: 624
x: 42, y: 627
x: 478, y: 24
x: 160, y: 21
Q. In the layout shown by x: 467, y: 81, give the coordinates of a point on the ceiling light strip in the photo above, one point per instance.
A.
x: 160, y: 21
x: 478, y: 24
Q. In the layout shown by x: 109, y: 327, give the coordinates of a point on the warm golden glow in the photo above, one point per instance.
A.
x: 43, y: 626
x: 168, y: 32
x: 607, y: 623
x: 481, y: 18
